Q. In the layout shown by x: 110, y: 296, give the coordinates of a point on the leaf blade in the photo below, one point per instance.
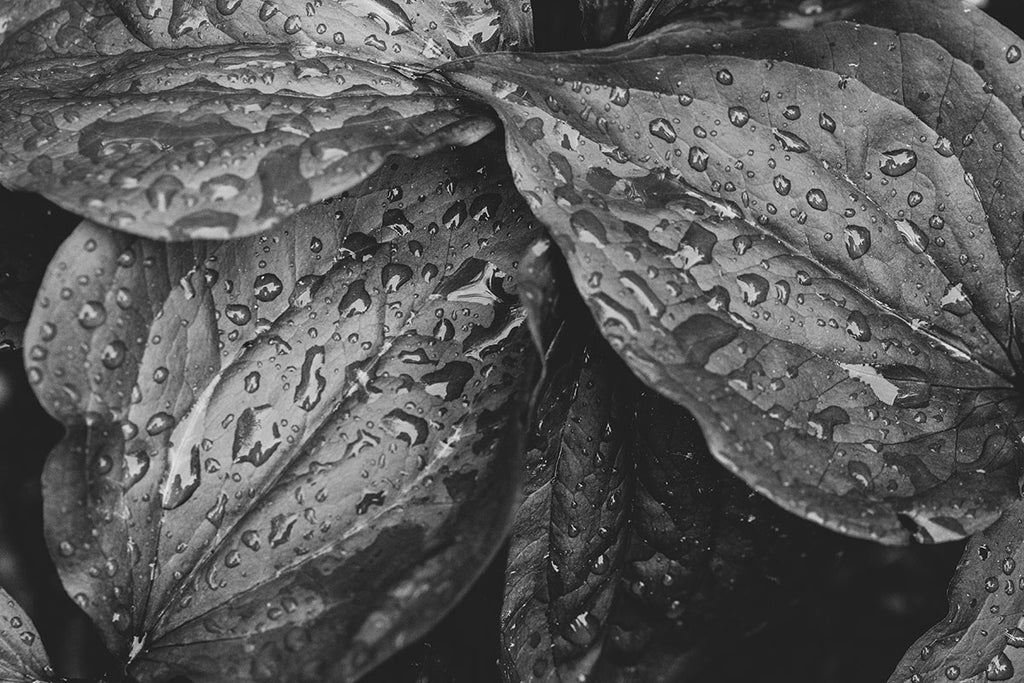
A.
x: 676, y: 160
x: 633, y: 553
x: 417, y: 34
x: 214, y: 142
x: 226, y: 464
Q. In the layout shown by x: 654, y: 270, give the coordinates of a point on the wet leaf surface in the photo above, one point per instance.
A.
x: 983, y: 633
x: 634, y: 553
x: 969, y: 34
x: 63, y: 28
x: 288, y: 455
x: 735, y: 226
x: 34, y: 229
x: 214, y: 142
x: 417, y: 33
x: 942, y: 91
x: 22, y: 657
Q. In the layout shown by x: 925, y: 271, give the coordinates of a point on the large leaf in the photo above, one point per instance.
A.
x: 213, y: 142
x: 417, y: 33
x: 923, y: 84
x: 737, y: 226
x: 33, y: 233
x: 634, y: 553
x: 287, y: 456
x: 982, y: 637
x: 22, y: 657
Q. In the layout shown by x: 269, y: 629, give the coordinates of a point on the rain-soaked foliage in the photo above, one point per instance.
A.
x: 364, y: 291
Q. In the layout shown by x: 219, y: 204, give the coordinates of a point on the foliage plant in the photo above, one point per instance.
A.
x: 365, y: 289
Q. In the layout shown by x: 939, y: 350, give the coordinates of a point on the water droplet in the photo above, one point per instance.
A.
x: 817, y: 199
x: 724, y: 77
x: 92, y: 314
x: 662, y: 128
x: 782, y: 184
x: 267, y: 287
x: 698, y: 159
x: 897, y: 162
x: 826, y: 123
x: 738, y: 116
x: 858, y: 241
x: 791, y: 142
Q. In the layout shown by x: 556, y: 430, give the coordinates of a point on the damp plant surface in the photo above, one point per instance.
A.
x: 368, y: 295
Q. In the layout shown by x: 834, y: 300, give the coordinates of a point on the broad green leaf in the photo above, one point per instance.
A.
x: 214, y: 142
x: 415, y: 33
x: 982, y: 637
x: 798, y: 260
x: 634, y: 553
x: 63, y: 28
x: 288, y: 455
x: 22, y: 657
x: 34, y: 231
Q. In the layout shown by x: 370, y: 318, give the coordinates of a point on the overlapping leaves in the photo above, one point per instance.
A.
x: 633, y: 553
x: 734, y: 225
x: 245, y: 115
x: 287, y: 455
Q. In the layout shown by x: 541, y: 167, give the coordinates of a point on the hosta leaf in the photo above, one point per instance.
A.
x: 982, y: 636
x: 287, y: 455
x: 634, y: 552
x: 34, y: 231
x: 22, y: 657
x: 64, y: 28
x: 213, y: 142
x: 417, y: 33
x: 736, y: 226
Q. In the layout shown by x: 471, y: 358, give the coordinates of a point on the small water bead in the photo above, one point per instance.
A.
x: 858, y: 241
x: 897, y: 162
x: 792, y: 112
x: 698, y: 159
x: 739, y: 116
x: 724, y: 77
x: 817, y: 199
x: 826, y: 123
x: 914, y: 198
x: 92, y: 314
x: 662, y: 128
x: 782, y: 184
x: 1013, y: 54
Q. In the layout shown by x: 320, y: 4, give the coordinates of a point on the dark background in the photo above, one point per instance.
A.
x: 852, y: 626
